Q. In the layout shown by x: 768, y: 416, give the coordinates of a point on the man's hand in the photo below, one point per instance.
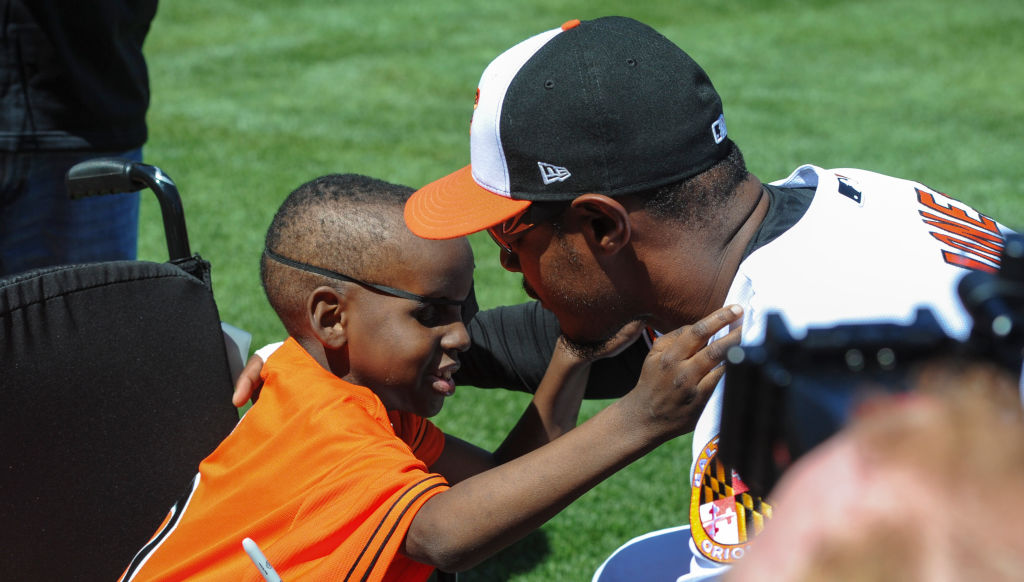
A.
x: 249, y: 382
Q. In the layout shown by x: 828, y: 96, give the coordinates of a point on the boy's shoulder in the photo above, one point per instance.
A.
x: 292, y: 375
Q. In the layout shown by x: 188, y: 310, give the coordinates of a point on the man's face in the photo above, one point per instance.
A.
x: 560, y: 271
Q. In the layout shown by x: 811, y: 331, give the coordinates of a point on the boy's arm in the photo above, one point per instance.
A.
x: 477, y: 517
x: 552, y: 412
x: 512, y: 345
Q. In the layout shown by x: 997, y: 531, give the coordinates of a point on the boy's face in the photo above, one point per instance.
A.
x: 406, y: 350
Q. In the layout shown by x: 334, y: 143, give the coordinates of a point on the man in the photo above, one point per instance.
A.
x: 601, y: 164
x: 74, y: 87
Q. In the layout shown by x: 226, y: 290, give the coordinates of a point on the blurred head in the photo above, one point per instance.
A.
x: 917, y: 487
x: 370, y: 301
x: 575, y: 131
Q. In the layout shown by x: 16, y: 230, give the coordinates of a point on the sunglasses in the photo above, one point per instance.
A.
x: 467, y: 305
x: 504, y: 233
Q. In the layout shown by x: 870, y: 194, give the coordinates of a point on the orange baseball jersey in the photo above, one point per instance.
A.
x: 318, y: 473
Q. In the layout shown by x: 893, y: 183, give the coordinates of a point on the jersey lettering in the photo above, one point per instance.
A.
x: 969, y: 247
x: 966, y: 262
x: 976, y: 236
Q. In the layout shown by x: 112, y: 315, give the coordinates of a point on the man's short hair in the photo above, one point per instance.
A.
x: 696, y: 200
x: 693, y: 201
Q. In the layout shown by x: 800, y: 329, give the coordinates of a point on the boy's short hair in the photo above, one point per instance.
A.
x: 348, y: 223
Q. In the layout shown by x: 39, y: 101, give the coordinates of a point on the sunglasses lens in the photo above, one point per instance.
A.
x: 512, y: 228
x: 496, y: 237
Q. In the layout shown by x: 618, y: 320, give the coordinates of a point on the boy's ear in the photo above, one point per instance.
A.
x: 603, y: 221
x: 326, y: 310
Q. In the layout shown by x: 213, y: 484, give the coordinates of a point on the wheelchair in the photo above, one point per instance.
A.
x: 115, y: 382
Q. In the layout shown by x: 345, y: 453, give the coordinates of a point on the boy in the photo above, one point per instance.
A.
x: 337, y: 474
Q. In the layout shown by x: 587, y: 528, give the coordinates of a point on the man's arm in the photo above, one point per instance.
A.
x: 481, y: 515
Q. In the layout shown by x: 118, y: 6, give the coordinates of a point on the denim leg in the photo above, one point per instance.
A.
x: 41, y: 226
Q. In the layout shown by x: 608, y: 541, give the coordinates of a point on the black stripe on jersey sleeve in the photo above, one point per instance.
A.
x: 175, y: 516
x: 400, y: 507
x: 420, y: 433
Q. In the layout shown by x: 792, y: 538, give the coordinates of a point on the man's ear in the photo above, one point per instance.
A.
x: 325, y: 307
x: 603, y: 221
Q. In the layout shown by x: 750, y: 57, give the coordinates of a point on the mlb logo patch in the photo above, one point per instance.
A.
x: 848, y: 188
x: 718, y: 129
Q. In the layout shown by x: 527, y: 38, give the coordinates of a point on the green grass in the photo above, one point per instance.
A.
x: 250, y: 99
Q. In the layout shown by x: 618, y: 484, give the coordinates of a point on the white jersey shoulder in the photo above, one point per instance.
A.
x: 869, y: 248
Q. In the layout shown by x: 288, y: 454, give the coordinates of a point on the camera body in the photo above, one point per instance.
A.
x: 786, y: 395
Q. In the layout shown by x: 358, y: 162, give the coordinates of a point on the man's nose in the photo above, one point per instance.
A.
x: 509, y: 261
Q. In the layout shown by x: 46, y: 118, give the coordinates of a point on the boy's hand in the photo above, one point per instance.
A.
x: 622, y: 340
x: 682, y: 370
x: 614, y: 346
x: 496, y: 506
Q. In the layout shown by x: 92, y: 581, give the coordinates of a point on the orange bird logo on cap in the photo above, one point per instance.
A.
x: 476, y: 102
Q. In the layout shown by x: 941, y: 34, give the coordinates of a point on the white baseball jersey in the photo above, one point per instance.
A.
x: 869, y: 248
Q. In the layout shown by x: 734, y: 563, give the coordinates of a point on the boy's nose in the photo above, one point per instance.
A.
x: 456, y: 337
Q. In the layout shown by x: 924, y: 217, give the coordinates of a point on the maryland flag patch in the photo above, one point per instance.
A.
x: 724, y: 516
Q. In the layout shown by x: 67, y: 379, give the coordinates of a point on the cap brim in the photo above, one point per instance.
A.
x: 456, y: 206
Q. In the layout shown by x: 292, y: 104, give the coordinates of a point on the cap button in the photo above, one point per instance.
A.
x: 571, y: 24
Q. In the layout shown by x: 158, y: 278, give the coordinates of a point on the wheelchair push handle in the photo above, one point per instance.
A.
x: 102, y: 176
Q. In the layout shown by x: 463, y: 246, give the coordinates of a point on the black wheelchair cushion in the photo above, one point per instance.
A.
x: 114, y: 384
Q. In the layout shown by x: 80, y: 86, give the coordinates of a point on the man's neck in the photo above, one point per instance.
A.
x: 697, y: 269
x: 752, y: 196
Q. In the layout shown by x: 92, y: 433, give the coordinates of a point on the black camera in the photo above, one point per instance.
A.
x: 786, y: 395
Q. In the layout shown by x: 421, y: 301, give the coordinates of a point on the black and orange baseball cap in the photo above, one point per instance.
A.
x: 607, y: 105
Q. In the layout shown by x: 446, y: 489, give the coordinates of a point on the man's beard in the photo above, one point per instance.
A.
x: 589, y: 350
x: 585, y: 349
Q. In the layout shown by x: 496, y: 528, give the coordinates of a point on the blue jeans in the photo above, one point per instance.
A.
x: 41, y: 226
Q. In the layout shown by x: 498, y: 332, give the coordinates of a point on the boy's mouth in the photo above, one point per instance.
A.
x: 442, y: 383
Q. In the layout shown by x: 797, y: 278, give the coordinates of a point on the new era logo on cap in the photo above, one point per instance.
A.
x: 551, y: 173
